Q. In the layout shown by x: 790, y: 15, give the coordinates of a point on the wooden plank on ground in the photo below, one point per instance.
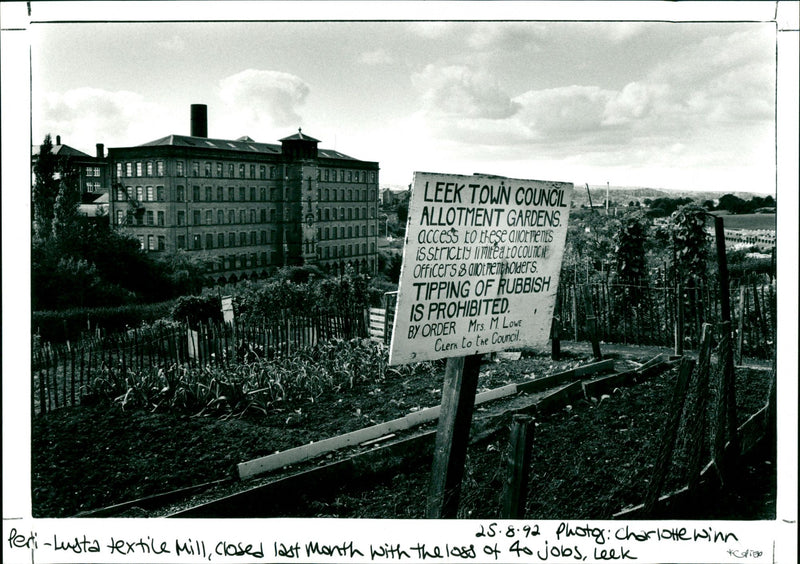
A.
x: 560, y: 398
x: 274, y: 499
x: 253, y: 468
x: 269, y: 463
x: 605, y: 385
x: 547, y: 382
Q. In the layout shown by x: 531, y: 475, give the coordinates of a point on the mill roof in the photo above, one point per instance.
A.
x: 242, y: 144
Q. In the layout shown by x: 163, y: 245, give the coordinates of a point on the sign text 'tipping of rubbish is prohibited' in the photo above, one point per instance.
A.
x: 481, y: 265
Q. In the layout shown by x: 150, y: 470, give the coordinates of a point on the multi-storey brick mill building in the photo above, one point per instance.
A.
x: 246, y: 207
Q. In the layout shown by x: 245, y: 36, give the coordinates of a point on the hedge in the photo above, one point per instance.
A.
x: 69, y: 324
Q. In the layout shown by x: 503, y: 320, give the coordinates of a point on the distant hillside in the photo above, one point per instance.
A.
x: 622, y: 195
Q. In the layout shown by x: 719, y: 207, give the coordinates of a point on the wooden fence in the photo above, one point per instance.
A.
x: 647, y: 314
x: 381, y: 320
x: 61, y: 374
x: 639, y: 315
x: 654, y: 314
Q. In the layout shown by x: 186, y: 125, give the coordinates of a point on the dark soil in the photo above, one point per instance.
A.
x: 589, y: 461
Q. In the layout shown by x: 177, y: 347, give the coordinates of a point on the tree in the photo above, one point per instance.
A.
x: 629, y: 249
x: 732, y: 203
x: 663, y: 207
x: 65, y: 212
x: 80, y: 261
x: 402, y: 212
x: 589, y: 244
x: 690, y: 241
x: 45, y: 189
x: 630, y: 260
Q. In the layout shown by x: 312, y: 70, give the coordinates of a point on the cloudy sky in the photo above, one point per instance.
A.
x: 673, y: 105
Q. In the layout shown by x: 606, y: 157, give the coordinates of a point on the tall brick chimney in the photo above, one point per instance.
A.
x: 100, y: 150
x: 199, y: 120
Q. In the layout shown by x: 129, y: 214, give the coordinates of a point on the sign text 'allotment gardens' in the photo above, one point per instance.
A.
x: 480, y: 265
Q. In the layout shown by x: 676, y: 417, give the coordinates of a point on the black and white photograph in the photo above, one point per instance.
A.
x: 504, y: 275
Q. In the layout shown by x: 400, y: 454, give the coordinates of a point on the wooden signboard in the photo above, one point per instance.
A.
x: 481, y: 265
x: 227, y: 309
x: 480, y: 271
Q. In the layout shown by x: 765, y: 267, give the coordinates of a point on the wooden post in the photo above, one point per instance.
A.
x: 452, y: 435
x: 698, y: 414
x: 772, y: 410
x: 64, y: 376
x: 555, y: 345
x: 80, y: 380
x: 515, y: 488
x: 137, y: 354
x: 72, y: 376
x: 725, y: 411
x: 89, y: 363
x: 773, y: 317
x: 697, y: 309
x: 122, y: 346
x: 54, y: 383
x: 669, y: 436
x: 150, y: 340
x: 47, y: 385
x: 759, y: 310
x: 42, y: 386
x: 227, y: 353
x: 591, y: 323
x: 726, y: 340
x: 726, y: 357
x: 575, y: 305
x: 679, y: 320
x: 740, y: 336
x: 386, y: 336
x: 288, y: 336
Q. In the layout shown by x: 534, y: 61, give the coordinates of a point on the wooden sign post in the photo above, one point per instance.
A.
x: 452, y: 435
x: 480, y: 271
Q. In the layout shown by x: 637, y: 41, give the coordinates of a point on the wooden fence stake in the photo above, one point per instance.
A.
x: 772, y: 409
x: 72, y: 376
x: 591, y: 323
x: 515, y: 488
x: 740, y: 336
x: 452, y: 436
x: 288, y: 336
x: 669, y: 436
x: 725, y: 409
x: 64, y: 377
x: 575, y: 308
x: 679, y: 320
x: 53, y: 384
x: 555, y: 345
x: 42, y: 386
x: 81, y: 378
x: 726, y: 342
x: 726, y: 356
x: 760, y: 315
x: 698, y: 413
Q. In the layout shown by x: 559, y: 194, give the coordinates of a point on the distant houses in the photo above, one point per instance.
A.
x: 764, y: 239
